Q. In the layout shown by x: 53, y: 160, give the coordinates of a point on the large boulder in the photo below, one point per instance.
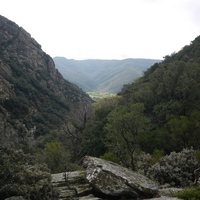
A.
x: 114, y: 180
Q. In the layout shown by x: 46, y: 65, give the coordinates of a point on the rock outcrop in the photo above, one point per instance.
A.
x: 102, y: 179
x: 71, y: 184
x: 15, y: 198
x: 17, y: 45
x: 114, y: 180
x: 164, y: 198
x: 34, y: 97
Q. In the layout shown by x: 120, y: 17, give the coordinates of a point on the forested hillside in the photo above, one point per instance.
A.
x: 103, y: 76
x: 170, y: 94
x: 37, y: 111
x: 35, y: 98
x: 158, y: 112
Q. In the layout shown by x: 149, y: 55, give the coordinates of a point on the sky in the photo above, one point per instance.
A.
x: 107, y: 29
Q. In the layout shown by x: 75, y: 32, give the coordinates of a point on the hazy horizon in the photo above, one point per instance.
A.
x: 107, y: 29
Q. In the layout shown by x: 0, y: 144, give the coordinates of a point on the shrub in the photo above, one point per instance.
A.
x: 142, y: 161
x: 111, y: 157
x: 57, y: 158
x: 189, y: 193
x: 176, y: 169
x: 19, y: 176
x: 157, y: 155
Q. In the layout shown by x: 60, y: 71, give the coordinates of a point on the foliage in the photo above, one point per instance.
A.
x: 170, y: 93
x: 31, y: 96
x: 142, y: 161
x: 157, y: 139
x: 93, y: 137
x: 57, y: 158
x: 157, y: 114
x: 19, y: 176
x: 96, y: 96
x: 111, y: 157
x: 73, y: 131
x: 94, y: 132
x: 188, y: 193
x: 32, y: 100
x: 124, y: 125
x: 176, y: 169
x: 157, y: 155
x: 197, y: 156
x: 180, y: 130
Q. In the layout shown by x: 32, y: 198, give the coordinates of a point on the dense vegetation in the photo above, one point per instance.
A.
x: 189, y: 193
x: 20, y: 176
x: 151, y: 126
x: 36, y: 103
x: 165, y: 102
x: 155, y: 115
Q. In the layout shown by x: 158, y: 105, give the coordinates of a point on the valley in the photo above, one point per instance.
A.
x: 150, y: 123
x: 102, y: 77
x: 96, y: 96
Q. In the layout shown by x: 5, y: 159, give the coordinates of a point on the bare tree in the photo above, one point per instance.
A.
x: 73, y: 129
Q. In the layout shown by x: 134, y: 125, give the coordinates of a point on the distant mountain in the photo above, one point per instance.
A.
x: 34, y: 97
x: 106, y: 76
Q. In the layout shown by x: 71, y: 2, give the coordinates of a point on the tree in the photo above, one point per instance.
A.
x: 73, y: 130
x: 180, y: 128
x: 94, y: 132
x: 185, y: 130
x: 124, y: 126
x: 195, y: 126
x: 58, y: 158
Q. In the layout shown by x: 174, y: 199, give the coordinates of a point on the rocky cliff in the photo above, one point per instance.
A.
x: 34, y: 97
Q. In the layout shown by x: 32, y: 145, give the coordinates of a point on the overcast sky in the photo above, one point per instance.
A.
x: 107, y: 29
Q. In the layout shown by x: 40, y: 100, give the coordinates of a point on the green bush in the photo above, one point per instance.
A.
x: 176, y: 169
x: 19, y: 176
x: 198, y: 156
x: 157, y: 155
x: 189, y: 193
x: 111, y: 157
x: 57, y: 158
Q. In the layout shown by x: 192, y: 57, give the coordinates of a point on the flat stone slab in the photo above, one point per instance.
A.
x: 164, y: 198
x: 71, y: 184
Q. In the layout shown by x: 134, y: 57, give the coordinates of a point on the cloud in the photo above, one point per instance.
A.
x: 107, y: 28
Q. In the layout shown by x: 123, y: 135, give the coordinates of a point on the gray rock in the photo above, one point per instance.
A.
x: 71, y: 184
x: 89, y: 197
x: 197, y: 175
x: 15, y: 198
x: 20, y: 53
x: 164, y: 198
x: 168, y: 191
x: 115, y: 180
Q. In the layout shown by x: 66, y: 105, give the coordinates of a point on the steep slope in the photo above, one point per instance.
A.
x: 102, y: 75
x: 170, y: 92
x: 34, y: 97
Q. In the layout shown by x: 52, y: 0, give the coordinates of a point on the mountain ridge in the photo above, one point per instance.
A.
x: 99, y: 75
x: 35, y: 98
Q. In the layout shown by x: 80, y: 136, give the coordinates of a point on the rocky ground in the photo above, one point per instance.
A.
x: 106, y: 180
